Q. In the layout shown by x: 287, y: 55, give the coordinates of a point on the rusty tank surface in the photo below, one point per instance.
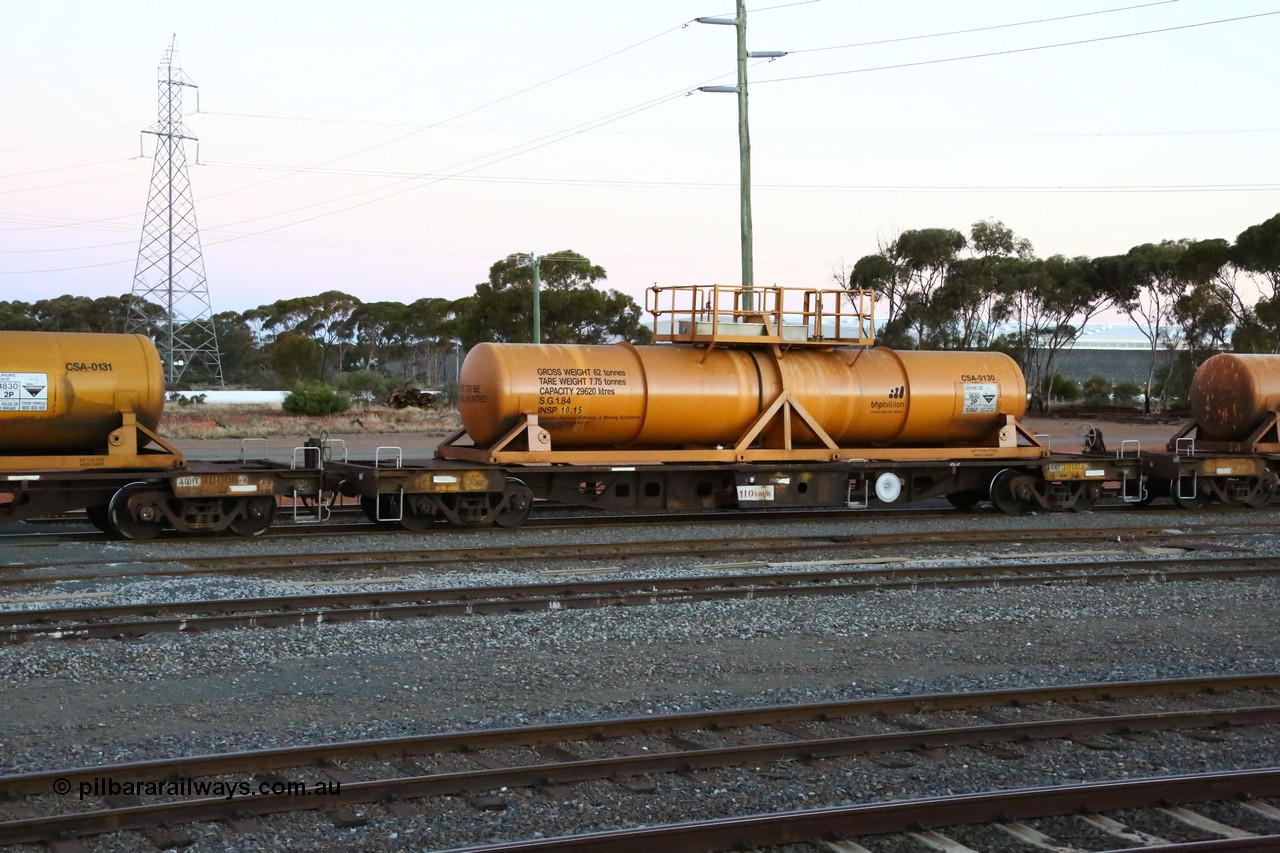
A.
x: 63, y: 392
x: 1231, y: 395
x: 626, y: 396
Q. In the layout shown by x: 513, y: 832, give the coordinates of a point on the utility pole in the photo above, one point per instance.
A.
x: 744, y: 142
x: 170, y: 268
x: 536, y: 260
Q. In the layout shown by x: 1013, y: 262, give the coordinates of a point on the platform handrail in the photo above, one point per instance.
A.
x: 300, y: 456
x: 244, y: 449
x: 394, y: 453
x: 787, y: 316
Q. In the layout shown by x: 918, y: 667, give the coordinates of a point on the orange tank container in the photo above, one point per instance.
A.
x: 1231, y: 395
x: 64, y: 392
x: 620, y: 395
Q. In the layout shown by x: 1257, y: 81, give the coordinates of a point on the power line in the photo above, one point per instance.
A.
x: 1013, y: 50
x: 67, y: 184
x: 387, y: 142
x: 66, y: 139
x: 488, y: 161
x: 983, y: 29
x: 465, y: 113
x: 66, y: 168
x: 615, y: 182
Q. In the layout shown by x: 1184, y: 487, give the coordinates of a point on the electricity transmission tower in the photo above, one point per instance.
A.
x: 170, y: 271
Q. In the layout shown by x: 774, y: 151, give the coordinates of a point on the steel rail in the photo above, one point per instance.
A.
x: 579, y: 770
x: 104, y: 622
x: 25, y: 784
x: 858, y: 821
x: 839, y: 536
x: 193, y: 565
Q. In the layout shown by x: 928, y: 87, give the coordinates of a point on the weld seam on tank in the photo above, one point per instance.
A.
x: 759, y: 383
x: 644, y: 386
x: 906, y: 396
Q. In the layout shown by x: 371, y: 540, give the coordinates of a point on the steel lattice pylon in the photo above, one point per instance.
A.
x: 170, y: 299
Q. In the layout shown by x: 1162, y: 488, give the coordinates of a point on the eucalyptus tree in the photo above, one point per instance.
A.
x: 1257, y: 253
x: 324, y: 318
x: 1151, y: 289
x: 1210, y: 303
x: 17, y: 316
x: 378, y: 331
x: 240, y: 351
x: 970, y: 300
x: 573, y: 309
x: 908, y: 274
x: 1048, y: 303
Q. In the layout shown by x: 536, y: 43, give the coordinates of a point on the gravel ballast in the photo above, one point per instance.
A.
x: 174, y: 694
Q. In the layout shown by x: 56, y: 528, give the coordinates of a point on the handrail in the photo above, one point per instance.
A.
x: 787, y: 316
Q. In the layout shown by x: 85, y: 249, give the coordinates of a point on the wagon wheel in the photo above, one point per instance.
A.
x: 1010, y: 492
x: 1260, y: 495
x: 518, y: 501
x: 1087, y: 497
x: 257, y: 517
x: 132, y: 515
x: 419, y: 513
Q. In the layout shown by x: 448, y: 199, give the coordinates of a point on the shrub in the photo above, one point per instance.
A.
x: 1062, y: 388
x: 315, y: 398
x: 1097, y: 391
x: 1127, y: 392
x: 364, y: 386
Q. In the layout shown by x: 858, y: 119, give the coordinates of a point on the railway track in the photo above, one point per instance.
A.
x: 836, y: 545
x: 134, y: 620
x: 1004, y: 811
x: 636, y: 754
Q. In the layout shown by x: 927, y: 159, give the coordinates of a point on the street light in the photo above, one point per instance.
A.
x: 744, y: 139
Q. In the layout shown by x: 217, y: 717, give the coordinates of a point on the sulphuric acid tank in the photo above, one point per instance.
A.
x: 621, y: 395
x: 62, y: 392
x: 1232, y: 394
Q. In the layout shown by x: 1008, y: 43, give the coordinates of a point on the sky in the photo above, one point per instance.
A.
x: 395, y: 149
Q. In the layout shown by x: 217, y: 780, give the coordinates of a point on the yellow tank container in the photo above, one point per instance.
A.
x: 1232, y: 394
x: 62, y: 392
x: 675, y: 396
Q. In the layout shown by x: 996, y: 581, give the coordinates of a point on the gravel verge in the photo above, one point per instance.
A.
x: 174, y: 694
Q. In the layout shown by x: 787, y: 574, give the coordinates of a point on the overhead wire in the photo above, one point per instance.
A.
x: 1012, y: 51
x: 427, y: 179
x: 988, y: 28
x: 518, y: 150
x: 463, y: 114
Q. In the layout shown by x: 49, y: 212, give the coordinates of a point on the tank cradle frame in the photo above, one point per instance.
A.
x: 131, y: 445
x: 529, y: 444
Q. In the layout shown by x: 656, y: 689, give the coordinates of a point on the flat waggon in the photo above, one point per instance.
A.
x: 771, y: 397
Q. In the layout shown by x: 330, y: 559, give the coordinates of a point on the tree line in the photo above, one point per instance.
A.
x: 938, y: 289
x: 941, y: 289
x: 333, y: 335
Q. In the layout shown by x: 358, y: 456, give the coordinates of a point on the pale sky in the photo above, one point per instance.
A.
x: 395, y: 149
